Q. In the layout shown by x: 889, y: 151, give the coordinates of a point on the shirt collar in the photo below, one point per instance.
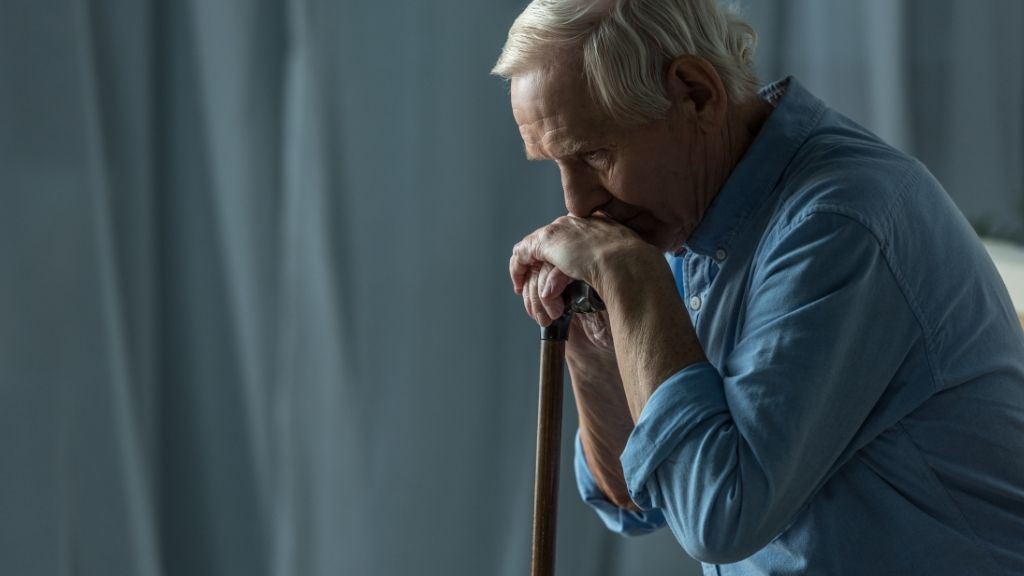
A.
x: 753, y: 179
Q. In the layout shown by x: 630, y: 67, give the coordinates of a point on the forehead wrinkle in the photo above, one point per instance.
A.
x: 567, y: 148
x: 556, y: 151
x: 529, y: 142
x: 550, y: 145
x: 546, y: 107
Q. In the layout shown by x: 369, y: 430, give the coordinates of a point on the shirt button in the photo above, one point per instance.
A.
x: 695, y: 302
x: 720, y: 254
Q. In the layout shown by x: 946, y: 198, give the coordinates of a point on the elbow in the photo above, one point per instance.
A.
x: 622, y: 500
x: 719, y: 542
x: 724, y: 523
x: 715, y: 554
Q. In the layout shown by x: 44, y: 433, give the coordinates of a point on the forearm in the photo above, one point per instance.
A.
x: 605, y: 423
x: 653, y: 335
x: 653, y: 339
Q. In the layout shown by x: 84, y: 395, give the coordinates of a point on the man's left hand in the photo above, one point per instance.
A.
x: 546, y: 261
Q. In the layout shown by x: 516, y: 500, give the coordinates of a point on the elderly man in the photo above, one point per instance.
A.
x: 809, y: 365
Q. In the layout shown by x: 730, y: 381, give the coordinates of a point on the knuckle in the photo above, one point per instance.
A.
x: 520, y: 251
x: 534, y: 296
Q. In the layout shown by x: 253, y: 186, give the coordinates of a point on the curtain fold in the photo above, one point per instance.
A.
x: 254, y: 309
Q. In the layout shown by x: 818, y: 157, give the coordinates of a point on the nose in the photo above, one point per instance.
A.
x: 583, y: 190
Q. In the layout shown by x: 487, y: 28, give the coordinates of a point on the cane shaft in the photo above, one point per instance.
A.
x: 549, y: 438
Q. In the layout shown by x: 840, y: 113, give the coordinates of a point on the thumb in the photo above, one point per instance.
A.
x: 556, y: 283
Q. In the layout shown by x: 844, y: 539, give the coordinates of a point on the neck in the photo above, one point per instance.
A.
x: 743, y: 126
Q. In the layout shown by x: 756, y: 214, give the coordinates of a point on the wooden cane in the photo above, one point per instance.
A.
x: 579, y: 298
x: 549, y: 441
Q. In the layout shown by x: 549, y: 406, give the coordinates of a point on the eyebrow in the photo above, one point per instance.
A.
x: 572, y: 148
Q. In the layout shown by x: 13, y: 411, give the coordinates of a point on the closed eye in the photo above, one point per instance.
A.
x: 596, y: 158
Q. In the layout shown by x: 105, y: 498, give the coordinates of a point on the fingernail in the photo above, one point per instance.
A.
x: 545, y: 292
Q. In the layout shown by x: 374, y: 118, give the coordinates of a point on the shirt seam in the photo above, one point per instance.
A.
x: 890, y: 258
x: 926, y: 331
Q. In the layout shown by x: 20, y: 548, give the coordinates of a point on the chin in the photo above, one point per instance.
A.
x: 667, y: 241
x: 662, y: 243
x: 654, y: 232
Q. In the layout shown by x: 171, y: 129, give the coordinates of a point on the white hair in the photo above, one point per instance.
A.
x: 626, y: 46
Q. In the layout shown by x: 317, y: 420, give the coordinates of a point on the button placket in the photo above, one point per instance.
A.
x: 697, y: 280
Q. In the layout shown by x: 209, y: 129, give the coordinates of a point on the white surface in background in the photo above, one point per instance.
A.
x: 1009, y: 259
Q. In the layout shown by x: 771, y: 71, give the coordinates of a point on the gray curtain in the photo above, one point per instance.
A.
x: 940, y: 79
x: 254, y: 308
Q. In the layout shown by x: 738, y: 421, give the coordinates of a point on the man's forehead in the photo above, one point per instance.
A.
x: 553, y: 106
x: 531, y: 94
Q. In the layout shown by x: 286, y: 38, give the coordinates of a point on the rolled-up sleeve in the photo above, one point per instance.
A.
x: 729, y: 455
x: 618, y: 520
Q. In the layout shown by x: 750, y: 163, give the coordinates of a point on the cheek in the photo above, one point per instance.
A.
x: 640, y: 185
x: 621, y: 178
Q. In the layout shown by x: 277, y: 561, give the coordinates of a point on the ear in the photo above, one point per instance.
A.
x: 693, y: 85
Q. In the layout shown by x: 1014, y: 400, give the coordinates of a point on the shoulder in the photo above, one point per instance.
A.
x: 844, y: 170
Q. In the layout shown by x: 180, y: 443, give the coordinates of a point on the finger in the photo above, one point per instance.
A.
x: 597, y: 329
x: 555, y: 283
x: 533, y: 249
x: 520, y: 265
x: 536, y: 306
x: 525, y: 258
x: 542, y: 275
x: 517, y: 286
x: 553, y: 305
x: 527, y: 301
x: 518, y: 272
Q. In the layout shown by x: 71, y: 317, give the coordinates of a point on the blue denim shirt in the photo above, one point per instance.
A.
x: 862, y: 407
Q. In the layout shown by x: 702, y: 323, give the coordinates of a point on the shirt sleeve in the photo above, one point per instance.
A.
x: 618, y: 520
x: 730, y: 455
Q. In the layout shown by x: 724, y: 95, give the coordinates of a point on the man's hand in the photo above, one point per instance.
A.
x: 546, y: 261
x: 653, y: 337
x: 616, y: 358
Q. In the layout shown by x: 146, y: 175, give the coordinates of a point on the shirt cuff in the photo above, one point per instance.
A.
x: 617, y: 519
x: 685, y: 399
